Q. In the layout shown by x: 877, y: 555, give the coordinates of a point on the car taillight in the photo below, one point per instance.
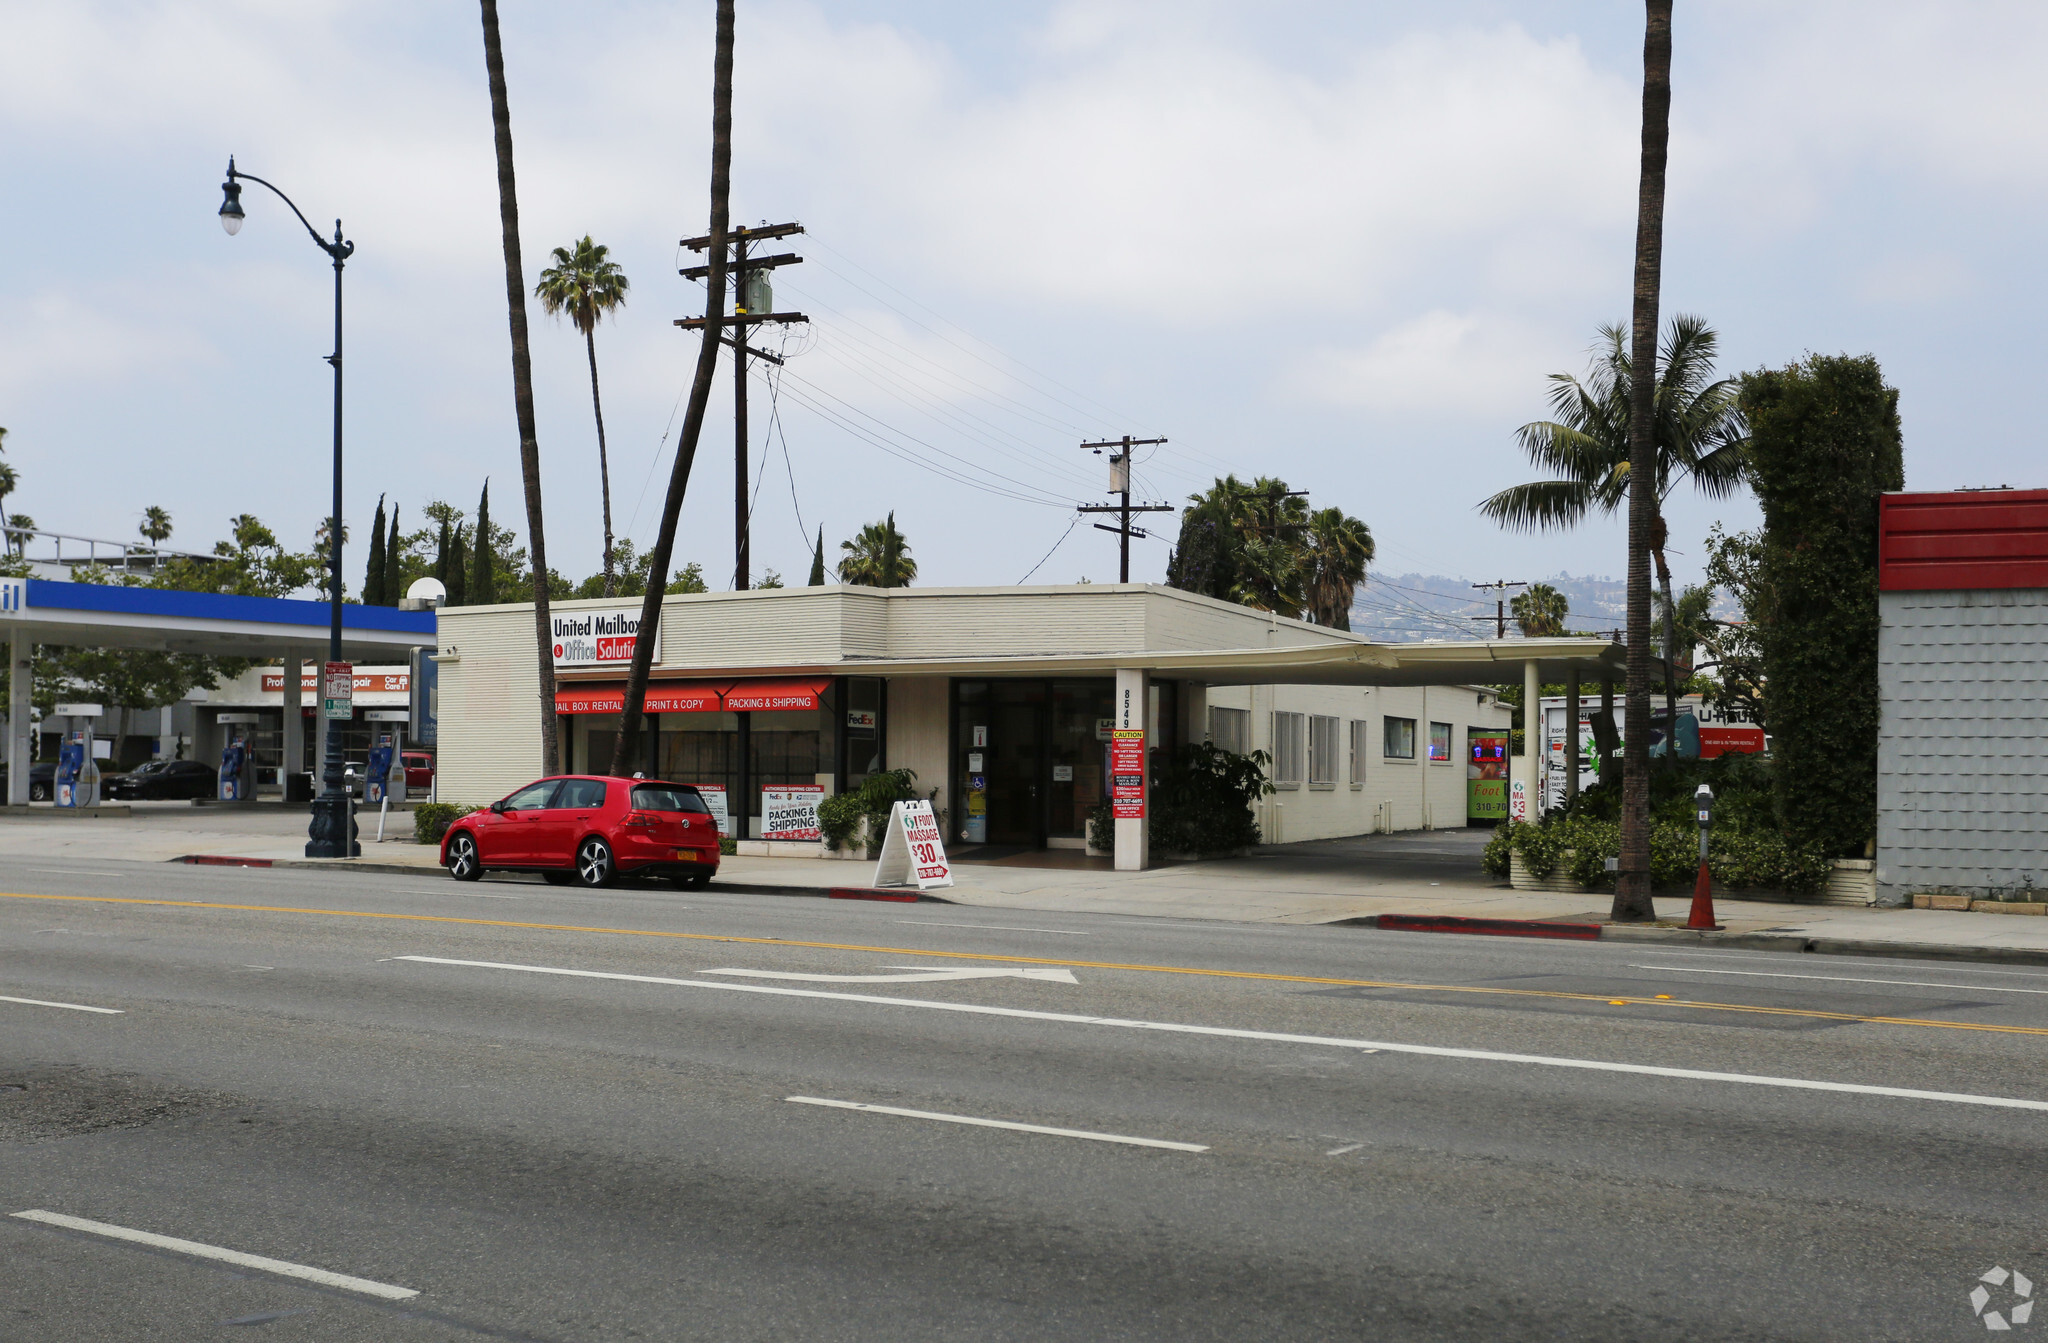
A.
x: 640, y: 819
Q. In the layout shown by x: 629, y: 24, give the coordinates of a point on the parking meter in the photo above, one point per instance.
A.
x: 1702, y: 918
x: 233, y: 757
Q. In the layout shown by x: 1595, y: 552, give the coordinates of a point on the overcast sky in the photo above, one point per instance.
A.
x: 1341, y: 243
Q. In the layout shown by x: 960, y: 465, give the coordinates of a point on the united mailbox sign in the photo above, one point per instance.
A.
x: 604, y: 638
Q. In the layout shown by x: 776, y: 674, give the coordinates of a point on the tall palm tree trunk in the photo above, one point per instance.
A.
x: 522, y: 390
x: 627, y: 748
x: 604, y: 470
x: 1632, y: 886
x: 1659, y: 535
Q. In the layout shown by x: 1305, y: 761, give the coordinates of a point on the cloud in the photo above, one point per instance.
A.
x: 1451, y: 365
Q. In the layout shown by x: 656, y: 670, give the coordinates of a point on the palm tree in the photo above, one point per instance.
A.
x: 156, y: 525
x: 1339, y: 549
x: 1632, y: 900
x: 627, y: 742
x: 878, y: 557
x: 522, y: 388
x: 586, y: 284
x: 1698, y: 435
x: 7, y: 480
x: 1540, y: 610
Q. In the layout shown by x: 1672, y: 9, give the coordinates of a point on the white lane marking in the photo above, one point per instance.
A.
x: 194, y: 1248
x: 75, y: 1007
x: 1841, y: 979
x: 78, y: 872
x: 1340, y: 1151
x: 997, y: 927
x: 1000, y: 1123
x: 1281, y: 1037
x: 916, y: 975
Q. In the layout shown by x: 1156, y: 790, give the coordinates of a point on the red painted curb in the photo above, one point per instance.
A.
x: 223, y: 860
x: 1449, y: 923
x: 862, y: 893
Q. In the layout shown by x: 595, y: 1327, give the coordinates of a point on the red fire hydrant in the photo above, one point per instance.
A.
x: 1702, y: 918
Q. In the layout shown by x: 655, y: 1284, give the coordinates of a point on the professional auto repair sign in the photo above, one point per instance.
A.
x: 602, y: 638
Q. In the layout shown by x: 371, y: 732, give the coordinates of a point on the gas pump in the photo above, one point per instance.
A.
x: 78, y: 775
x: 235, y: 771
x: 377, y: 784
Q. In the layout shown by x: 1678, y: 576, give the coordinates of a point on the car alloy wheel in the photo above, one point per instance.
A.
x: 39, y: 792
x: 594, y: 863
x: 462, y: 858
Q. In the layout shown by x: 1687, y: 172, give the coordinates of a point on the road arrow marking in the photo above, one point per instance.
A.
x: 914, y: 975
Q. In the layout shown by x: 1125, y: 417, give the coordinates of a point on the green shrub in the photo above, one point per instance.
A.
x: 1201, y: 802
x: 842, y: 817
x: 1102, y: 825
x: 430, y: 820
x: 1740, y: 855
x: 838, y: 817
x: 727, y: 846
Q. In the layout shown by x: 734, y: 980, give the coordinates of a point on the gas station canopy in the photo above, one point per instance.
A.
x: 103, y: 615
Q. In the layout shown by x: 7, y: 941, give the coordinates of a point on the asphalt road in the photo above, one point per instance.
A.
x: 1402, y: 1136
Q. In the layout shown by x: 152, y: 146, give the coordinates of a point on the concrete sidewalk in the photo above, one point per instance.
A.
x: 1335, y: 881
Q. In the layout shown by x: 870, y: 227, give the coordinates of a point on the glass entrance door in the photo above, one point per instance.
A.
x: 1016, y: 745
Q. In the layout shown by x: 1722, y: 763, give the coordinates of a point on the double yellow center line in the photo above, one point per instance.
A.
x: 1607, y: 999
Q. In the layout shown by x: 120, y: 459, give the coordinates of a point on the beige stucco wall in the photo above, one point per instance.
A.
x: 917, y: 738
x: 1372, y: 793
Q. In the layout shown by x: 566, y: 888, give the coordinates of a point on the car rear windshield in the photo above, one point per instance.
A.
x: 668, y: 797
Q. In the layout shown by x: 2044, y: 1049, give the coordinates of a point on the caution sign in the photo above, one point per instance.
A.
x: 913, y: 850
x: 1127, y: 774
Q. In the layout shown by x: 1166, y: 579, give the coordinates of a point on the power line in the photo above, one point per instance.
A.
x: 1048, y: 554
x: 1120, y: 484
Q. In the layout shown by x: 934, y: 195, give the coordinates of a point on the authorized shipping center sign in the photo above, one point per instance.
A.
x: 599, y: 638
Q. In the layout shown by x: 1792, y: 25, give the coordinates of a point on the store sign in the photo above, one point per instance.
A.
x: 1518, y: 800
x: 598, y: 638
x: 913, y: 849
x: 1127, y: 773
x: 791, y: 813
x: 714, y: 798
x: 376, y: 683
x: 338, y: 695
x: 864, y: 720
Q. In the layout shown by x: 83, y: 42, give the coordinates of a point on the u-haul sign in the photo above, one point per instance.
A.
x: 598, y: 638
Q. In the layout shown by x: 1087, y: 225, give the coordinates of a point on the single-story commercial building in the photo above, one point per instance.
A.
x: 1007, y: 702
x: 1962, y: 680
x: 252, y: 707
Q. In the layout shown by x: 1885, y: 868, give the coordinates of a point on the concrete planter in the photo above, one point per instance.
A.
x: 1559, y: 880
x: 1853, y: 883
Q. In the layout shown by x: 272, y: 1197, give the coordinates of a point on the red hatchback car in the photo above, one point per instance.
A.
x: 588, y: 829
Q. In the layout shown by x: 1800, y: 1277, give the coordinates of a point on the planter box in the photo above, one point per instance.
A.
x: 1559, y: 880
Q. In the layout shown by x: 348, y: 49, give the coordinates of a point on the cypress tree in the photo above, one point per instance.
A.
x: 1824, y: 443
x: 458, y: 570
x: 394, y: 568
x: 441, y: 556
x: 373, y: 569
x: 483, y: 579
x: 818, y: 561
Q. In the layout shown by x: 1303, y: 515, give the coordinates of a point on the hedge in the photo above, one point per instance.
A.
x: 430, y: 820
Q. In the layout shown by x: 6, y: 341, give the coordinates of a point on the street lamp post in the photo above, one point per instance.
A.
x: 332, y: 833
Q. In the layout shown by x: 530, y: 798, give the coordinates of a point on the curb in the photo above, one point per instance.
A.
x: 1782, y: 942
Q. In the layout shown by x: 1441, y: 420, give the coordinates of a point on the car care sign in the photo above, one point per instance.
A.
x: 1127, y: 773
x: 913, y: 849
x: 338, y: 692
x: 602, y: 638
x: 791, y: 813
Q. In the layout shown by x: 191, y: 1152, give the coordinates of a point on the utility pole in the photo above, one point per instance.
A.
x: 1500, y: 603
x: 1120, y: 484
x: 753, y: 297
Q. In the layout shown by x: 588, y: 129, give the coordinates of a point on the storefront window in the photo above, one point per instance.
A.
x: 863, y: 728
x: 1082, y: 713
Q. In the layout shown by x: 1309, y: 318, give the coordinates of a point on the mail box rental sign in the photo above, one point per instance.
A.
x: 603, y: 638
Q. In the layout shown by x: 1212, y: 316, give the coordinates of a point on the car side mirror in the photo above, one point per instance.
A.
x: 498, y: 807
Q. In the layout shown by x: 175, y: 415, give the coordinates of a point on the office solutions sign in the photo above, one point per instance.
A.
x: 598, y: 638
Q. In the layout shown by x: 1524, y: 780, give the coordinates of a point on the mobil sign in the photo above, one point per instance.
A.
x: 600, y: 638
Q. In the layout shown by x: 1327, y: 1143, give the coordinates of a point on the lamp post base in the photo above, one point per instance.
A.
x: 332, y: 833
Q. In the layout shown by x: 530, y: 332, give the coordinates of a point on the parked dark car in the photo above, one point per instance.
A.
x: 162, y: 780
x: 589, y: 829
x: 42, y: 780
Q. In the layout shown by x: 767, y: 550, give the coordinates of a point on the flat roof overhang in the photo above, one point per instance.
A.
x: 1476, y: 662
x: 96, y: 615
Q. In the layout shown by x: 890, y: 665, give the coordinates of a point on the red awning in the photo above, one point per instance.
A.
x: 662, y: 697
x: 793, y: 692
